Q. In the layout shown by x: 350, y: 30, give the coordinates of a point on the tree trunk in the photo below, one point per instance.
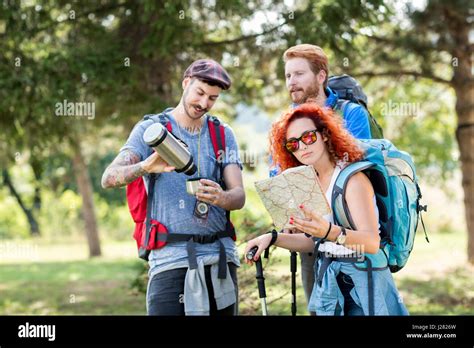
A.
x: 34, y: 227
x: 463, y: 84
x: 465, y: 138
x: 85, y: 189
x: 36, y: 166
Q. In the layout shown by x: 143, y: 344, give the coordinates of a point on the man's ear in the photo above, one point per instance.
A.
x: 321, y: 76
x: 185, y: 82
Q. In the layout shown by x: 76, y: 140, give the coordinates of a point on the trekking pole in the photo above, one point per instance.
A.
x: 293, y: 257
x: 260, y: 279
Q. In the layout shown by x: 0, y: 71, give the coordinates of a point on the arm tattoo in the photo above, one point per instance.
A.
x: 124, y: 169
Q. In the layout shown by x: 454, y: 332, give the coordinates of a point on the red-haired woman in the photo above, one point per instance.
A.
x: 311, y: 135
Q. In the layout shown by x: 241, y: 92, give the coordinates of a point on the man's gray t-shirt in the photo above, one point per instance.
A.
x: 174, y: 207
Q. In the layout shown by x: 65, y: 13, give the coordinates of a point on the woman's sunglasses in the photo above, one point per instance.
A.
x: 308, y: 138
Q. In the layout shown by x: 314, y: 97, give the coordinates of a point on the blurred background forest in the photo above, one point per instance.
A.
x: 66, y: 244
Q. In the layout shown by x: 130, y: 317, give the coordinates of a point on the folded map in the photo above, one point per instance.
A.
x: 282, y: 194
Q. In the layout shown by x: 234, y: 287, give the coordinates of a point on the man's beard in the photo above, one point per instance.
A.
x: 311, y: 93
x: 188, y: 108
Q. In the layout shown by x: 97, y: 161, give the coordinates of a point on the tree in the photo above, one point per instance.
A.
x: 29, y: 211
x: 46, y: 61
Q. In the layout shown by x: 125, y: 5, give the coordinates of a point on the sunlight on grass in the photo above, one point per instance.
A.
x: 42, y: 250
x: 98, y: 286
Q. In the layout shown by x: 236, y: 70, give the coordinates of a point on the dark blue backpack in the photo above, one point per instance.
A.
x: 349, y: 90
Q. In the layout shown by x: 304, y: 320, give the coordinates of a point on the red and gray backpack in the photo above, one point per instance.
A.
x: 151, y: 234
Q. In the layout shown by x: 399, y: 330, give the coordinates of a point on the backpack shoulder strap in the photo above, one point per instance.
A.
x: 341, y: 213
x: 341, y: 105
x: 149, y: 203
x: 162, y: 118
x: 217, y: 133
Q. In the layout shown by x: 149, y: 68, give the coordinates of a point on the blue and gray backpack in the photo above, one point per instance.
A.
x: 349, y: 90
x: 393, y: 177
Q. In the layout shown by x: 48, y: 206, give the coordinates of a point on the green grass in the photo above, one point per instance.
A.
x: 442, y: 295
x: 60, y: 279
x: 437, y: 279
x: 76, y: 287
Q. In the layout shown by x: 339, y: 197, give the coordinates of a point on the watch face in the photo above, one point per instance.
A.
x: 341, y: 239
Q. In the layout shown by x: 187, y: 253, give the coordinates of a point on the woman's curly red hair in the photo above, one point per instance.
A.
x: 341, y: 145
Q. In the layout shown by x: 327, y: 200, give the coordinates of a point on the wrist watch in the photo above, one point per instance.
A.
x: 341, y: 239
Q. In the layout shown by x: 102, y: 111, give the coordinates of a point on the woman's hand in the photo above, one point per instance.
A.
x: 262, y: 242
x: 292, y: 230
x: 314, y: 224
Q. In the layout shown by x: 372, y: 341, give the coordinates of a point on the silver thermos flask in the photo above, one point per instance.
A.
x: 169, y: 148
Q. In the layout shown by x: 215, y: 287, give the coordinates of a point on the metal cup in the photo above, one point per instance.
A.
x: 192, y: 185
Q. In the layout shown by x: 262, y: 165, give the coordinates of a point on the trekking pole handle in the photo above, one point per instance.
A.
x: 259, y: 274
x: 251, y: 253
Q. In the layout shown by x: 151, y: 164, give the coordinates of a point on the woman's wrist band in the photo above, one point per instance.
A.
x: 274, y: 237
x: 272, y: 241
x: 329, y: 230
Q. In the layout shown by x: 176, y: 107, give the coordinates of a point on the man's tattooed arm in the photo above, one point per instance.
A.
x: 124, y: 169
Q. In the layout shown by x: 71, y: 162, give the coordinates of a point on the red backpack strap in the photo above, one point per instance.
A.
x: 217, y: 132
